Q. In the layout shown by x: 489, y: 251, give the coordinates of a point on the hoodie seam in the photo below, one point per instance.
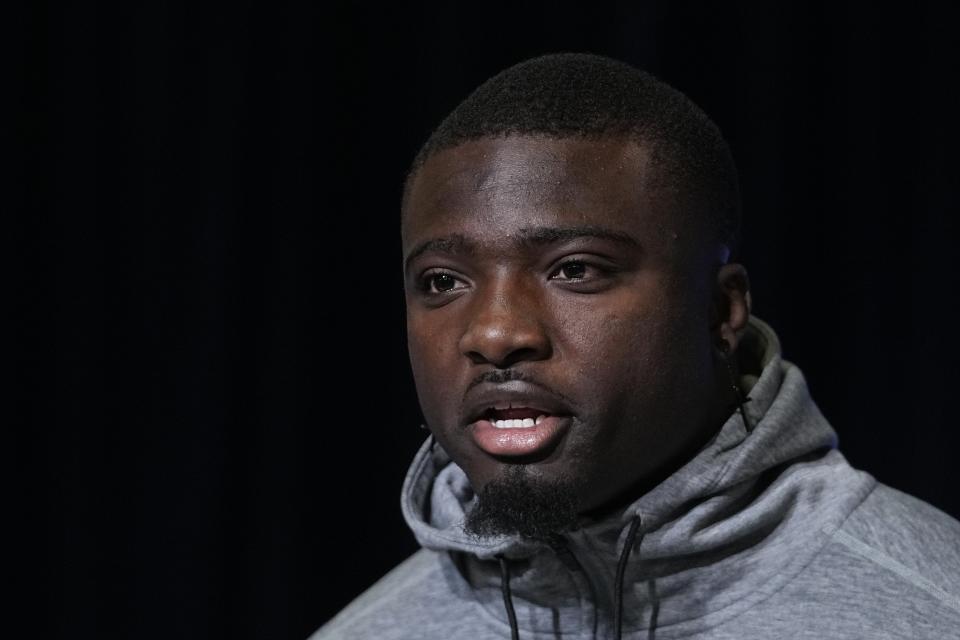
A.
x: 881, y: 559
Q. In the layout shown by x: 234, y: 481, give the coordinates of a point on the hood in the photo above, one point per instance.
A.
x: 724, y: 531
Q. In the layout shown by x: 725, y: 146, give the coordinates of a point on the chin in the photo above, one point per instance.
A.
x: 520, y: 501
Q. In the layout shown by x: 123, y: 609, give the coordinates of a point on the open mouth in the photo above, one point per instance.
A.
x: 518, y: 418
x: 518, y: 431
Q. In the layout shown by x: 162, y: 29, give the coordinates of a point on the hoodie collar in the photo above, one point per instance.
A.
x: 718, y: 508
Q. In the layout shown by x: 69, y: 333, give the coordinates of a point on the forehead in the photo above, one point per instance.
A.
x: 497, y: 187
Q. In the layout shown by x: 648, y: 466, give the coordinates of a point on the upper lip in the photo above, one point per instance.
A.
x: 512, y: 394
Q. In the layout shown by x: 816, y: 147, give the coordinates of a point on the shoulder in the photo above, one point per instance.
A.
x: 898, y: 558
x: 416, y: 599
x: 907, y: 535
x: 891, y: 570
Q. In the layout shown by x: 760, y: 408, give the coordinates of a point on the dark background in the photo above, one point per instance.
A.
x: 213, y: 413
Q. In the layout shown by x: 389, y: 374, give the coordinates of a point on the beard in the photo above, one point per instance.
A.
x: 518, y: 504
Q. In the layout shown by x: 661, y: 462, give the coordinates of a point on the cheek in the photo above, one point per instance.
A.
x: 424, y: 353
x: 427, y: 343
x: 630, y: 350
x: 605, y: 338
x: 431, y: 363
x: 621, y: 346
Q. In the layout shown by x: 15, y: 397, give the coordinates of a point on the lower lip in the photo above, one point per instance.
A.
x: 523, y: 441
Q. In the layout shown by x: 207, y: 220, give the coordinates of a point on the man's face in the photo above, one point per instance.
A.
x: 558, y: 313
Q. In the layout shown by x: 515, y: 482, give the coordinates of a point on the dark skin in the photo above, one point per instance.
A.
x: 566, y: 263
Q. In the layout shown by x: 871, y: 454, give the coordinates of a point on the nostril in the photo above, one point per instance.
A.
x: 476, y: 358
x: 519, y: 355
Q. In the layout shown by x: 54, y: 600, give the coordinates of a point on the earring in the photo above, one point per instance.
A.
x: 741, y: 399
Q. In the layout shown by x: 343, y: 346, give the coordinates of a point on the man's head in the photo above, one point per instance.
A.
x: 565, y: 234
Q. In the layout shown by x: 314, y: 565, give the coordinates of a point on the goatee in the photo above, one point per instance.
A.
x: 520, y: 504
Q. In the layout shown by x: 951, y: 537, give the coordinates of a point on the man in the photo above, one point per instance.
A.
x: 617, y: 447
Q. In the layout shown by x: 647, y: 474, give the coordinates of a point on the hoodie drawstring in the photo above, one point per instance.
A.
x: 741, y: 397
x: 617, y: 589
x: 621, y: 570
x: 507, y: 599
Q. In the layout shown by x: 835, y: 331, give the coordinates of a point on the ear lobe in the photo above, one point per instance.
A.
x: 732, y: 304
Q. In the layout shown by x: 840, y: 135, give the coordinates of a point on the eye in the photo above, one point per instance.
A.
x: 572, y: 270
x: 440, y: 282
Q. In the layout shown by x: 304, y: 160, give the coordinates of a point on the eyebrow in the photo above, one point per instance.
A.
x: 529, y: 237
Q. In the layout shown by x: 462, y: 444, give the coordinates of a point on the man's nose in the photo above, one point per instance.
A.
x: 505, y: 328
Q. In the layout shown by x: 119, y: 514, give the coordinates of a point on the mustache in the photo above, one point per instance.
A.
x: 508, y: 375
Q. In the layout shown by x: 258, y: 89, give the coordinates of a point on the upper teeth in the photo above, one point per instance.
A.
x: 526, y: 423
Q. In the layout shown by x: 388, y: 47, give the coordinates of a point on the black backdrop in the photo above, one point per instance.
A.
x: 212, y: 411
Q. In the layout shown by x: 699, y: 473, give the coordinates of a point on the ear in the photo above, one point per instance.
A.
x: 731, y: 307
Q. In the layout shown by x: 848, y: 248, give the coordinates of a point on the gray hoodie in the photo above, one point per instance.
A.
x: 766, y: 533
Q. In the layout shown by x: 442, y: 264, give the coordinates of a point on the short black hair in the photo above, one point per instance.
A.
x: 568, y: 95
